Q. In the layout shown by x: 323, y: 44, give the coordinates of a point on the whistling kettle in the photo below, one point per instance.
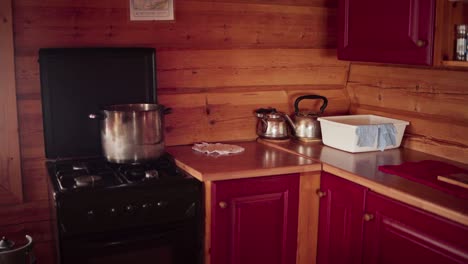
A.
x: 305, y: 125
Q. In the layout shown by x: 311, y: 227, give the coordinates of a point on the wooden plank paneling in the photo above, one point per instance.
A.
x: 10, y: 164
x: 229, y: 116
x: 199, y: 24
x: 433, y: 101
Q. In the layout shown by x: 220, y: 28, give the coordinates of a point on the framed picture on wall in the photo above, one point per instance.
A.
x: 151, y: 9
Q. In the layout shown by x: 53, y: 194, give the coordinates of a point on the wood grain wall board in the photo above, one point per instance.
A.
x: 437, y: 147
x: 252, y: 67
x: 124, y: 3
x: 410, y: 79
x: 229, y: 116
x: 443, y: 105
x: 238, y: 89
x: 40, y: 231
x: 35, y: 179
x: 245, y: 58
x: 10, y: 163
x: 422, y: 130
x: 199, y: 25
x: 338, y: 101
x: 32, y: 145
x: 26, y: 212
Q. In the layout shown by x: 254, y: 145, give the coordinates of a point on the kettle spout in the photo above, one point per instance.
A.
x: 291, y: 123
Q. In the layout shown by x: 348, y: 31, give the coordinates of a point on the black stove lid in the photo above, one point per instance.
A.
x: 76, y: 82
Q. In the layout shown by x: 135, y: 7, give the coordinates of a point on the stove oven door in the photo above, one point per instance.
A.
x: 175, y: 245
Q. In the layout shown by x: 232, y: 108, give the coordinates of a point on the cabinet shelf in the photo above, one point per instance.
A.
x: 448, y: 15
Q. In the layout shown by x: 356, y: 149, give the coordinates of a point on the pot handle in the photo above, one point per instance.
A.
x: 97, y: 116
x: 311, y: 96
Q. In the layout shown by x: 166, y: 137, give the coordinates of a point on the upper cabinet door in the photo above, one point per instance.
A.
x: 392, y: 31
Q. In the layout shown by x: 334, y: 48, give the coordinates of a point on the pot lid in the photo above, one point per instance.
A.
x: 6, y: 244
x: 77, y: 82
x: 261, y: 112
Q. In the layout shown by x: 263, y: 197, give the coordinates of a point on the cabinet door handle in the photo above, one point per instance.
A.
x: 368, y: 217
x: 222, y: 205
x: 320, y: 193
x: 420, y: 43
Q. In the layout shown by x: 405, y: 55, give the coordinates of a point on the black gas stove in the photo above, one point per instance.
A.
x: 104, y: 212
x: 92, y: 195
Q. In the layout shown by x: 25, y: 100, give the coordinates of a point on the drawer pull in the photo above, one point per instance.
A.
x: 222, y: 205
x: 320, y: 193
x: 368, y: 217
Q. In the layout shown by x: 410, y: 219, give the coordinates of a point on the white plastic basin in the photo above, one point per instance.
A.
x: 340, y: 131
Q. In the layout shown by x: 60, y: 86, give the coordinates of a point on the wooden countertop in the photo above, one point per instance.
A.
x: 362, y: 168
x: 257, y: 160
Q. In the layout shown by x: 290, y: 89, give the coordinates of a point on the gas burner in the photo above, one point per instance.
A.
x: 151, y: 174
x: 80, y: 166
x: 87, y: 180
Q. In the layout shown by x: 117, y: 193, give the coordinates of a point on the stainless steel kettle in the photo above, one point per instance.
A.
x: 305, y: 126
x: 271, y: 124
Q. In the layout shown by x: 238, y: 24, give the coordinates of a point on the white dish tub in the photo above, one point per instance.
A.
x: 340, y: 131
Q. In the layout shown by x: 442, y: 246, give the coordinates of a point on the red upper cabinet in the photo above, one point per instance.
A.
x: 255, y: 220
x: 392, y: 31
x: 399, y: 233
x: 340, y: 220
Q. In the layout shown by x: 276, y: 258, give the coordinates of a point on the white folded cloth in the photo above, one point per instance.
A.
x: 218, y: 148
x: 384, y: 134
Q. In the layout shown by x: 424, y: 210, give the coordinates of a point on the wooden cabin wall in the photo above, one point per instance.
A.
x: 434, y: 101
x: 217, y: 62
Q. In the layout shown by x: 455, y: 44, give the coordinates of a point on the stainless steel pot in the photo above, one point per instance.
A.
x: 132, y: 133
x: 305, y: 125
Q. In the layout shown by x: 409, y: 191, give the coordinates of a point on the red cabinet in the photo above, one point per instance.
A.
x: 357, y: 225
x: 255, y: 220
x: 398, y: 233
x: 340, y: 220
x: 396, y: 31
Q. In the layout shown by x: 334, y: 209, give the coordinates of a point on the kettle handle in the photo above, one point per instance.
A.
x: 311, y: 96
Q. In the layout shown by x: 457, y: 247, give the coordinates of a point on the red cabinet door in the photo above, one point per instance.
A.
x: 255, y: 220
x: 393, y: 31
x: 340, y: 220
x: 399, y: 233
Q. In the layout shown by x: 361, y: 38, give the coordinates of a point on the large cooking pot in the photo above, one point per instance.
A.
x: 132, y: 133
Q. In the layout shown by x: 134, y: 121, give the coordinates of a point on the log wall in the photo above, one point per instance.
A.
x: 434, y: 101
x: 217, y: 62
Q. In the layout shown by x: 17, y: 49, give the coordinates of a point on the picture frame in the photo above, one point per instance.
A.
x: 151, y: 10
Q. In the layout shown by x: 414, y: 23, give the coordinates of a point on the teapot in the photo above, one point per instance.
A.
x: 305, y: 125
x: 271, y: 124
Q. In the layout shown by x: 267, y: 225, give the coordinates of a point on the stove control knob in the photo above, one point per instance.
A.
x: 129, y: 208
x: 162, y: 204
x: 90, y: 213
x: 146, y: 205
